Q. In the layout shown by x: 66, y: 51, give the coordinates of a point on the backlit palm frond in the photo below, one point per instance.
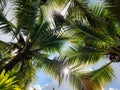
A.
x: 80, y: 11
x: 26, y: 73
x: 83, y: 55
x: 97, y: 9
x: 39, y: 20
x: 7, y: 82
x: 26, y: 13
x: 58, y: 4
x: 75, y: 81
x: 85, y: 36
x: 81, y: 34
x: 112, y: 28
x: 93, y: 80
x: 101, y: 76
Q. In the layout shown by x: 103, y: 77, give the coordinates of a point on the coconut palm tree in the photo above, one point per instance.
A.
x: 35, y: 38
x: 92, y: 41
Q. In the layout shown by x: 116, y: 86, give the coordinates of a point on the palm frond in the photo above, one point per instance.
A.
x: 58, y: 4
x: 48, y: 39
x: 80, y: 11
x: 112, y: 25
x: 83, y: 55
x: 75, y: 82
x: 52, y: 67
x: 7, y: 82
x: 87, y: 30
x: 26, y: 13
x: 92, y: 80
x: 26, y: 73
x: 5, y: 26
x: 58, y: 19
x: 4, y: 45
x: 101, y: 76
x: 113, y: 7
x: 3, y: 3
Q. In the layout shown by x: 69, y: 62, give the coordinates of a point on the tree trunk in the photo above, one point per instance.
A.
x: 9, y: 66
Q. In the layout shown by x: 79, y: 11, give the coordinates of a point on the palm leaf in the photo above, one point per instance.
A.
x: 83, y: 55
x: 112, y: 29
x: 113, y: 7
x: 75, y: 82
x: 102, y: 76
x: 4, y: 45
x: 48, y: 39
x: 7, y: 82
x: 52, y: 67
x: 58, y: 4
x: 26, y: 12
x: 58, y: 19
x: 81, y: 12
x: 87, y: 30
x: 93, y: 80
x: 3, y: 3
x: 26, y: 74
x: 4, y: 24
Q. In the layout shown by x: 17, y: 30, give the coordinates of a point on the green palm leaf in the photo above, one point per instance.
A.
x: 26, y: 13
x: 53, y: 67
x: 113, y: 7
x: 102, y: 76
x: 79, y: 11
x: 48, y: 39
x: 113, y: 29
x: 5, y: 26
x: 93, y: 80
x: 26, y: 74
x: 7, y: 82
x: 83, y: 55
x: 4, y: 45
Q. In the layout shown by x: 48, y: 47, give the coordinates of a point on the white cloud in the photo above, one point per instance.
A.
x: 37, y: 87
x: 113, y: 89
x: 30, y: 88
x: 64, y: 86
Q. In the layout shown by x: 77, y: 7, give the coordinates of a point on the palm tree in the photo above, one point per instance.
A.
x: 92, y: 41
x: 35, y: 39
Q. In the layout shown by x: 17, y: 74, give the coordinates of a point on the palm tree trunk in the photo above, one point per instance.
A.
x: 9, y: 66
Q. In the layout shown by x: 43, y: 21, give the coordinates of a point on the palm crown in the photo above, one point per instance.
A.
x: 92, y: 35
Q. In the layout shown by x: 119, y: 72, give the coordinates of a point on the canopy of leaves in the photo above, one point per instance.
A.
x: 93, y: 32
